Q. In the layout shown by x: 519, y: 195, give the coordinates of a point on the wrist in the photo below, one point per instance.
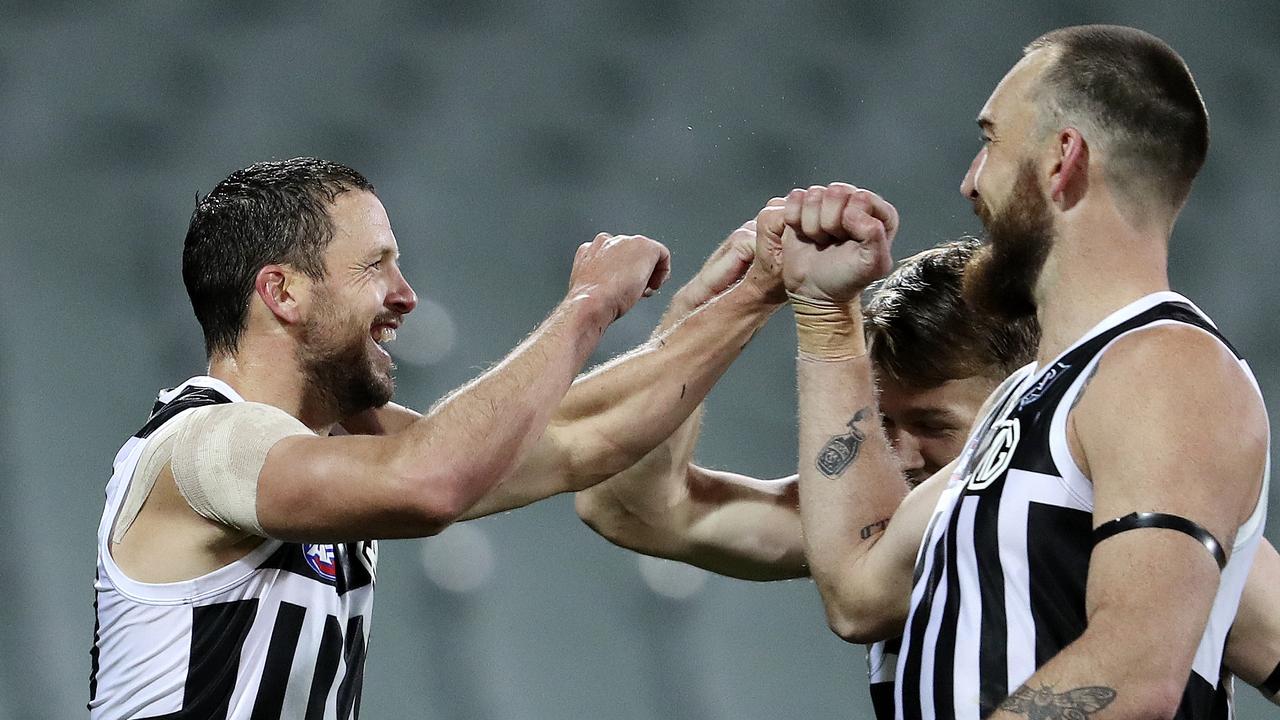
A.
x: 764, y: 284
x: 828, y: 330
x: 586, y: 306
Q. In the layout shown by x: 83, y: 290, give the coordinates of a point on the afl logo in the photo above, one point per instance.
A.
x: 320, y: 558
x: 996, y: 459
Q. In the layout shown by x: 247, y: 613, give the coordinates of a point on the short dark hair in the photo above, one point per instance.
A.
x: 920, y: 331
x: 269, y: 212
x: 1138, y: 91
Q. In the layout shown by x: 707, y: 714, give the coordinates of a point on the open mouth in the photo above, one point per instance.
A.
x: 382, y: 333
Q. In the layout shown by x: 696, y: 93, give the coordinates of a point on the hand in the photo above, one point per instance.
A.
x: 737, y: 257
x: 618, y: 270
x: 724, y: 267
x: 835, y: 241
x: 766, y: 270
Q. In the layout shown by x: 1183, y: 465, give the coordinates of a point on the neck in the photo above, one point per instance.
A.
x: 271, y: 375
x: 1099, y: 264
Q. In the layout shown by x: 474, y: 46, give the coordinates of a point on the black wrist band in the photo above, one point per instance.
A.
x: 1143, y: 520
x: 1271, y: 686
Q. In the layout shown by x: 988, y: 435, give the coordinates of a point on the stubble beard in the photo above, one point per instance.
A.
x: 341, y: 376
x: 1000, y: 279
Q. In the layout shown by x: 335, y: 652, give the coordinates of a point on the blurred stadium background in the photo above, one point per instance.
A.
x: 501, y: 135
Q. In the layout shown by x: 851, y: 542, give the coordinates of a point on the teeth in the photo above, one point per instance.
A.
x: 386, y: 334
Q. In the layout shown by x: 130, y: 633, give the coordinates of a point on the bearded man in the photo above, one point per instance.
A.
x: 237, y: 548
x: 1088, y: 551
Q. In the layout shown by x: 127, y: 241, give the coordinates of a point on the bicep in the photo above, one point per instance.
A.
x: 340, y: 488
x: 1169, y: 425
x: 744, y: 527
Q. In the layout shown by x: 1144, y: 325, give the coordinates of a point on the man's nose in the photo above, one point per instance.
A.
x: 969, y: 186
x: 402, y: 298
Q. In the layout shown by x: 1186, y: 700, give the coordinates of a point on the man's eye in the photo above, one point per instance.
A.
x: 374, y: 265
x: 934, y: 431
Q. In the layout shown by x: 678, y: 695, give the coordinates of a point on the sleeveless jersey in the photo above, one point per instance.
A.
x: 279, y: 633
x: 999, y: 584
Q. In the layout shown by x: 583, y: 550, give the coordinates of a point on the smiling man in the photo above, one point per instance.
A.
x: 237, y: 549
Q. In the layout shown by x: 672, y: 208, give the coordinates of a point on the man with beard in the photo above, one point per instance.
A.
x: 237, y: 553
x: 1088, y: 552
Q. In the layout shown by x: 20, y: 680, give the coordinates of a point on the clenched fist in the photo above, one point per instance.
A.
x: 835, y: 240
x: 617, y: 270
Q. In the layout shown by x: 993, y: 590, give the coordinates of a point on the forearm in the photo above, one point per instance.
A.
x: 850, y: 482
x: 1253, y: 646
x: 619, y: 412
x: 1101, y: 676
x: 477, y: 435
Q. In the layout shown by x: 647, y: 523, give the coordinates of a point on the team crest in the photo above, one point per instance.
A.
x: 1004, y: 439
x: 321, y: 559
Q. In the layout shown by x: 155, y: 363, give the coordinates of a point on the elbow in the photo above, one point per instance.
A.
x: 854, y: 628
x: 594, y: 512
x: 433, y: 502
x: 1160, y: 698
x: 858, y: 621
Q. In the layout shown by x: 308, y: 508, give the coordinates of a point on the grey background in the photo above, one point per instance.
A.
x: 501, y: 135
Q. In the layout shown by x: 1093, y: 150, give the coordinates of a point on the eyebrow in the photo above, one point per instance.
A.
x: 935, y: 415
x: 985, y: 123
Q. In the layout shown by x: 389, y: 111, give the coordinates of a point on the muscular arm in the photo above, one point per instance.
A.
x: 424, y: 477
x: 850, y: 487
x: 621, y: 411
x: 418, y: 480
x: 1150, y: 431
x: 1253, y: 647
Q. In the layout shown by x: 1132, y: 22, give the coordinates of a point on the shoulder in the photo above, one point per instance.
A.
x: 1177, y: 362
x: 1174, y: 382
x: 241, y: 419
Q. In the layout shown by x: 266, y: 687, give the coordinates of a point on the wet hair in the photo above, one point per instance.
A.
x: 269, y: 212
x: 1139, y: 97
x: 920, y: 331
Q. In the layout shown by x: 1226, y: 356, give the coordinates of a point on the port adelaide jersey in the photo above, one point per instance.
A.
x: 280, y: 633
x: 999, y: 584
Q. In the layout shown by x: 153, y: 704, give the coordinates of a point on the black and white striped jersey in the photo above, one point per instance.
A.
x: 999, y: 585
x: 882, y: 664
x: 280, y: 633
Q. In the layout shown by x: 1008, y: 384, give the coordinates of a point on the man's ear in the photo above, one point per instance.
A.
x: 278, y: 287
x: 1070, y: 174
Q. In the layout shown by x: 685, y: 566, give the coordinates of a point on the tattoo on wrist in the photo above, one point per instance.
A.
x: 873, y: 528
x: 1043, y: 703
x: 840, y: 451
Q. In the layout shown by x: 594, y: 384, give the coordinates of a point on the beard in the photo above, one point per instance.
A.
x: 1000, y: 279
x: 341, y: 375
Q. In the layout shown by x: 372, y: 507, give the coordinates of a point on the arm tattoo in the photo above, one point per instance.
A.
x: 840, y: 451
x: 1043, y: 703
x: 873, y: 528
x: 1084, y: 386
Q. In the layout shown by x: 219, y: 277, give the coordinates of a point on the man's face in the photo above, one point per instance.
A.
x: 1004, y: 186
x: 358, y: 305
x: 928, y: 427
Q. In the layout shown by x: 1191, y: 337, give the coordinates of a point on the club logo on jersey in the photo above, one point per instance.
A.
x: 1036, y: 392
x: 1004, y: 438
x: 321, y: 559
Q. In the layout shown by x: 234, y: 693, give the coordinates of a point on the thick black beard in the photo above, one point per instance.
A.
x: 1000, y: 279
x: 341, y: 379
